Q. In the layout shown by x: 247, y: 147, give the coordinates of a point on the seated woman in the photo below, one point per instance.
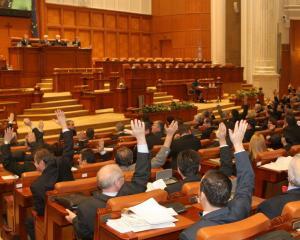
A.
x: 257, y: 145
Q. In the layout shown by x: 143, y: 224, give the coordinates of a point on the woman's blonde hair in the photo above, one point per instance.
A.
x: 257, y: 145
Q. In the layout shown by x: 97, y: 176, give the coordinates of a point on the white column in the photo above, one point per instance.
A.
x: 260, y: 43
x: 218, y: 29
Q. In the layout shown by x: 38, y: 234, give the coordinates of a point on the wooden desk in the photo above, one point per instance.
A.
x: 23, y: 201
x: 185, y: 220
x: 264, y: 175
x: 10, y: 79
x: 39, y: 62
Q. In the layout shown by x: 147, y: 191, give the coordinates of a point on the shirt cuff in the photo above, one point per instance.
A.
x: 142, y: 148
x: 225, y: 145
x: 6, y: 142
x: 65, y: 130
x: 240, y: 151
x: 103, y: 152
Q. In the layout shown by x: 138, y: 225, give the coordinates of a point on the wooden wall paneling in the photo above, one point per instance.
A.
x: 146, y: 45
x: 97, y: 20
x: 123, y: 45
x: 110, y: 21
x: 285, y: 69
x: 52, y: 31
x: 134, y: 23
x: 70, y: 33
x: 111, y: 44
x: 69, y: 17
x: 85, y: 38
x: 123, y: 22
x: 54, y: 16
x: 295, y: 52
x: 135, y: 45
x: 98, y: 44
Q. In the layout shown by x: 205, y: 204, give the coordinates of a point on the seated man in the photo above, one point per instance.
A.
x: 76, y: 42
x: 45, y: 41
x: 25, y: 41
x: 58, y: 41
x: 151, y: 138
x: 71, y: 127
x: 110, y: 179
x: 272, y: 207
x: 124, y: 156
x: 188, y: 163
x: 120, y: 127
x: 53, y: 170
x: 216, y: 187
x: 186, y: 141
x: 158, y: 129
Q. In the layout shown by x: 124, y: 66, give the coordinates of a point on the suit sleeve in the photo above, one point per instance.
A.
x: 81, y: 228
x: 39, y: 136
x: 245, y: 183
x: 68, y: 151
x: 142, y: 169
x: 245, y: 111
x: 38, y: 200
x: 226, y: 161
x: 160, y: 158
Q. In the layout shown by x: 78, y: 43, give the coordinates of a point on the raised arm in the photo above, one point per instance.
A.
x: 225, y: 151
x: 38, y: 131
x: 67, y: 136
x: 160, y: 158
x: 143, y: 165
x: 245, y: 174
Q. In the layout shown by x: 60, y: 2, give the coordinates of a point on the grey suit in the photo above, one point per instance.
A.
x: 237, y: 209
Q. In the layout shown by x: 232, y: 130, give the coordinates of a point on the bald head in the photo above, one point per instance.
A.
x: 110, y: 177
x: 294, y: 171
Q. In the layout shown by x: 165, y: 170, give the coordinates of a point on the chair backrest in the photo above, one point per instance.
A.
x: 130, y: 144
x: 208, y: 153
x: 269, y: 156
x: 291, y: 209
x: 127, y: 138
x: 190, y: 188
x: 205, y: 142
x: 81, y: 185
x: 29, y: 177
x: 243, y: 229
x: 119, y: 203
x: 90, y: 170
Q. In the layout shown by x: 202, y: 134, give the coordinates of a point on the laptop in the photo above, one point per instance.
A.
x: 167, y: 176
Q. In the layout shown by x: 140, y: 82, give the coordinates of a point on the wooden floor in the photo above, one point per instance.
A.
x: 104, y: 120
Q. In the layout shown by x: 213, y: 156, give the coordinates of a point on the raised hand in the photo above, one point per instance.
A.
x: 137, y: 130
x: 221, y: 133
x: 27, y: 122
x: 237, y: 135
x: 8, y: 135
x: 41, y: 126
x: 61, y: 119
x: 11, y: 117
x: 172, y: 128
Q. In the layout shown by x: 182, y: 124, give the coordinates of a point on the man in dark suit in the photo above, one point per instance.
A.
x: 272, y: 207
x: 76, y: 42
x: 25, y: 41
x: 291, y: 132
x: 186, y: 141
x: 45, y: 41
x: 58, y: 41
x: 53, y: 170
x: 216, y: 187
x: 110, y: 180
x: 188, y: 163
x: 158, y: 129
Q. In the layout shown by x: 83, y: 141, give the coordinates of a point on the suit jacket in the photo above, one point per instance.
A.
x: 237, y: 209
x: 57, y: 170
x: 86, y: 212
x: 292, y: 135
x: 272, y: 207
x: 152, y: 140
x: 226, y: 167
x: 183, y: 143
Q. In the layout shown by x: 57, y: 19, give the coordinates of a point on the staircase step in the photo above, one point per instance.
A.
x: 159, y: 94
x: 55, y: 103
x: 67, y: 108
x: 47, y: 80
x: 166, y: 102
x: 49, y: 116
x: 46, y: 90
x: 48, y: 97
x: 45, y: 85
x: 163, y: 98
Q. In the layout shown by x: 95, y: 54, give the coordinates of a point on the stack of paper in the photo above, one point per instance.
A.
x: 158, y: 184
x: 10, y: 177
x: 281, y: 164
x: 145, y: 216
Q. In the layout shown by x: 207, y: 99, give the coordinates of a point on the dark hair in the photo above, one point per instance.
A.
x: 235, y: 115
x: 217, y: 188
x: 183, y: 128
x: 40, y: 154
x: 124, y: 156
x: 160, y: 125
x: 170, y: 119
x: 90, y: 133
x: 291, y: 120
x: 148, y: 125
x: 188, y: 162
x: 88, y: 155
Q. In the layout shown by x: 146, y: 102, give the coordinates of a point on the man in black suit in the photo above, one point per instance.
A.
x: 25, y: 41
x: 216, y: 187
x: 151, y: 138
x: 158, y: 129
x: 76, y: 42
x: 272, y: 207
x: 110, y: 180
x: 53, y: 170
x: 58, y: 41
x: 34, y: 140
x: 291, y: 133
x: 45, y: 41
x: 186, y: 141
x: 188, y: 163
